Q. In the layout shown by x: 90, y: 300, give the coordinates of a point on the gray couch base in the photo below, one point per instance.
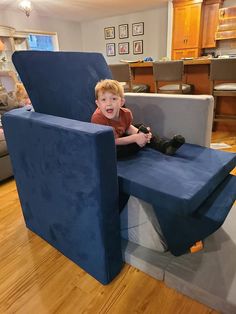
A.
x: 6, y: 168
x: 208, y: 276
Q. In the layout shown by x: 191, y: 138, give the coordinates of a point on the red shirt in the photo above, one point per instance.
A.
x: 119, y: 126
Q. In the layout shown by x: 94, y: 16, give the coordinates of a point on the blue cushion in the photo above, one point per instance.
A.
x: 185, y: 179
x: 61, y: 83
x: 68, y: 189
x: 181, y: 232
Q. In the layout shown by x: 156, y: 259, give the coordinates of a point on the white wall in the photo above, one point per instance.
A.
x: 89, y: 36
x: 154, y: 38
x: 69, y: 33
x: 229, y: 3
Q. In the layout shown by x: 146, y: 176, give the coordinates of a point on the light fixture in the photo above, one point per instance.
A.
x: 25, y: 6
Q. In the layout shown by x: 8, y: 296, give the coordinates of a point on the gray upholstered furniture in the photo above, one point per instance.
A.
x: 5, y: 163
x: 6, y: 103
x: 208, y: 276
x: 167, y: 115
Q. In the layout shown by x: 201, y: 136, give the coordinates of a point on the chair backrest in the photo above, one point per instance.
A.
x: 168, y: 71
x: 62, y: 83
x: 121, y: 72
x: 223, y: 70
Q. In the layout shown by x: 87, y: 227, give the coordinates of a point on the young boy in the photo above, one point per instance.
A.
x: 129, y: 139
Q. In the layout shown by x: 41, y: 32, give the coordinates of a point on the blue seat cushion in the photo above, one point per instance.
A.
x: 179, y: 183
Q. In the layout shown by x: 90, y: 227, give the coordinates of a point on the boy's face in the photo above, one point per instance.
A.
x: 110, y: 104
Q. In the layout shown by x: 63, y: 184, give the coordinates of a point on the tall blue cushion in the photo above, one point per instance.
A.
x: 68, y: 187
x: 62, y: 83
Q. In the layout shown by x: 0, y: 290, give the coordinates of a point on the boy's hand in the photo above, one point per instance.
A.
x: 149, y: 136
x: 147, y: 131
x: 142, y: 139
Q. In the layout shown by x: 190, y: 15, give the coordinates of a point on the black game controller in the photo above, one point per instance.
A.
x: 143, y: 129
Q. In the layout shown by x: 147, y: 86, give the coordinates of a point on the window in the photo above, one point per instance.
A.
x: 40, y: 42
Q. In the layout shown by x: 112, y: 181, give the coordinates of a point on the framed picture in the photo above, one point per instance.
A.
x: 123, y: 31
x: 111, y: 49
x: 109, y: 32
x: 137, y: 47
x: 137, y: 29
x: 123, y: 48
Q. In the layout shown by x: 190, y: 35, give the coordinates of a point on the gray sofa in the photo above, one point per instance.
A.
x: 208, y: 276
x: 168, y: 114
x: 7, y: 103
x: 5, y: 163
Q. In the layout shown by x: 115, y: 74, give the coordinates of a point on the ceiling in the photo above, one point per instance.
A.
x: 84, y: 10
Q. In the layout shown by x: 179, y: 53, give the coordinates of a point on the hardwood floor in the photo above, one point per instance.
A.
x: 228, y: 138
x: 36, y: 278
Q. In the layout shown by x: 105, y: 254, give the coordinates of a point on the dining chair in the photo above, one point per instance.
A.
x: 223, y: 83
x: 122, y: 73
x: 171, y: 72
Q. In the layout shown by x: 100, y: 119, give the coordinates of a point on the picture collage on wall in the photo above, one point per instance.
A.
x: 123, y: 47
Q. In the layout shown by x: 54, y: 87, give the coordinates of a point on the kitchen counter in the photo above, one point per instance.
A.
x: 196, y: 61
x: 196, y: 73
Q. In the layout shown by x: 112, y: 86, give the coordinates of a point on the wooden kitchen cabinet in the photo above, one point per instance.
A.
x: 179, y: 28
x: 185, y: 53
x: 210, y: 22
x: 186, y: 28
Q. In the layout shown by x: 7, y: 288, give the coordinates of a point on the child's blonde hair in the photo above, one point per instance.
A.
x: 112, y: 86
x: 21, y: 94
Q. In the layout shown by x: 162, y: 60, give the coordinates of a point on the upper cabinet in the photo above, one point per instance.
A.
x: 194, y: 26
x: 210, y: 22
x: 186, y: 38
x: 226, y: 29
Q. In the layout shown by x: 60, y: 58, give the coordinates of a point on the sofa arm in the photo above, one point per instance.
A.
x: 66, y: 177
x: 167, y: 115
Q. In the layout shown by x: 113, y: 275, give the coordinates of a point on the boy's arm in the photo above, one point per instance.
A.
x: 132, y: 130
x: 133, y: 136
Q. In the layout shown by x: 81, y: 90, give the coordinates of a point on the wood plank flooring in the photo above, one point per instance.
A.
x: 227, y: 138
x: 36, y: 278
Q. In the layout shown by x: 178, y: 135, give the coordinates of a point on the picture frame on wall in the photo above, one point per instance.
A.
x: 109, y: 32
x: 123, y: 31
x: 123, y: 48
x: 111, y: 49
x: 137, y: 47
x: 138, y: 29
